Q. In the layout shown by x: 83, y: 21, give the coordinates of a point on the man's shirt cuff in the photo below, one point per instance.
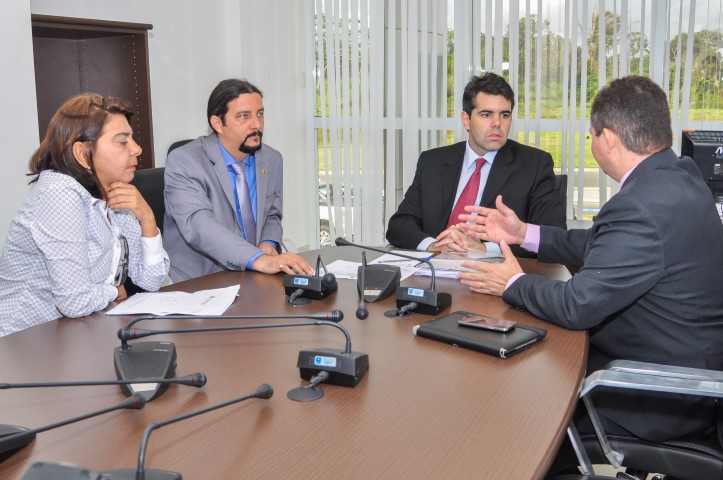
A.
x: 252, y: 260
x: 424, y: 244
x: 272, y: 243
x: 492, y: 247
x: 532, y: 238
x: 512, y: 280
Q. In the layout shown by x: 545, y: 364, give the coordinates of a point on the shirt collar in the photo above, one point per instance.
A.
x: 625, y: 177
x: 229, y: 160
x: 470, y: 157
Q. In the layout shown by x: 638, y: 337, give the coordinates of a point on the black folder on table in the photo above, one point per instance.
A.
x: 445, y: 329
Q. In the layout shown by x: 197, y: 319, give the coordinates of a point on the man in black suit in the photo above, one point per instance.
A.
x: 522, y: 174
x: 651, y: 266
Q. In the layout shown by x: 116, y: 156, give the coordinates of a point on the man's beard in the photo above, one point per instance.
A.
x: 248, y: 149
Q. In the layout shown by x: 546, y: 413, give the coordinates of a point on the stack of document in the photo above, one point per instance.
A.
x: 447, y: 265
x: 408, y: 267
x: 203, y: 302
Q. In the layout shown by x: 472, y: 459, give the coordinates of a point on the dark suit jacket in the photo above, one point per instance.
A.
x: 649, y: 288
x: 200, y: 228
x: 522, y: 175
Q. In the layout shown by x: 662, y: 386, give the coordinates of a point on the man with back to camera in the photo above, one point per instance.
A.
x: 224, y: 193
x: 474, y: 173
x: 651, y: 265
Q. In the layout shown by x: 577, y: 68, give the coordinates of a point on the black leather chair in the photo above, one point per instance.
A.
x: 177, y: 144
x: 561, y: 188
x: 150, y: 183
x: 686, y: 458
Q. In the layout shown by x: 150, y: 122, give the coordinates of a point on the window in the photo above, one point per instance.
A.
x: 389, y: 76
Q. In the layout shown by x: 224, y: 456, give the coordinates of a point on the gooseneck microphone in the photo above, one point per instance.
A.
x: 428, y: 302
x: 134, y: 333
x: 197, y: 380
x: 13, y: 442
x: 345, y: 368
x: 331, y: 315
x: 302, y: 288
x: 362, y: 313
x: 264, y: 392
x: 158, y: 359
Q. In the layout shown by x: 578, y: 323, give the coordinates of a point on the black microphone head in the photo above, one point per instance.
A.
x: 362, y: 313
x: 123, y: 334
x: 264, y: 391
x: 341, y: 242
x: 328, y: 280
x: 198, y: 380
x: 134, y: 402
x: 335, y: 316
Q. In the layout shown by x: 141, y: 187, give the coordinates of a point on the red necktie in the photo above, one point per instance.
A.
x: 468, y: 195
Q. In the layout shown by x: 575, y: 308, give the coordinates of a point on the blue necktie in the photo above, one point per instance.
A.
x: 244, y: 201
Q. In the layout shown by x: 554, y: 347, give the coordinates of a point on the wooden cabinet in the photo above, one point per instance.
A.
x: 74, y: 55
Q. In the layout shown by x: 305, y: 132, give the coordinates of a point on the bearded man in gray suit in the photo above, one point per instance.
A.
x: 224, y: 193
x: 651, y: 266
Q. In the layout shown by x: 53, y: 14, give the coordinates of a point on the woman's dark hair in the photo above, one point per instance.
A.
x: 79, y: 119
x: 225, y: 92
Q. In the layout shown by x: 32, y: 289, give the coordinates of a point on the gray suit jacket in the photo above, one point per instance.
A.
x: 200, y: 230
x: 649, y: 288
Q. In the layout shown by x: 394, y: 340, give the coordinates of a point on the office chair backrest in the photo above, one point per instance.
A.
x: 561, y: 188
x: 150, y: 183
x: 177, y: 144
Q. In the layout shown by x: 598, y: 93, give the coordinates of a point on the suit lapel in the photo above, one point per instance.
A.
x: 262, y: 186
x: 502, y: 168
x: 449, y: 179
x: 213, y: 151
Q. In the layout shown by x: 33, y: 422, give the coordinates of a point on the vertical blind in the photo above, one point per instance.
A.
x: 389, y: 76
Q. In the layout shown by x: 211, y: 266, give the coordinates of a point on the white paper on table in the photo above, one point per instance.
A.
x: 447, y: 265
x: 348, y: 270
x: 203, y: 302
x: 389, y: 258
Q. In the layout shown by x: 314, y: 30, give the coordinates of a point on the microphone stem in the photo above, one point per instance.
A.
x: 4, y: 386
x: 342, y: 242
x: 124, y: 341
x: 347, y: 350
x: 140, y: 472
x: 19, y: 437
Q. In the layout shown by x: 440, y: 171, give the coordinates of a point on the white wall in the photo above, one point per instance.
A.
x: 19, y: 121
x: 193, y: 45
x: 186, y: 56
x: 275, y: 63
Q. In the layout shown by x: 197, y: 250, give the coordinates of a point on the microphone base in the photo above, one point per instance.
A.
x: 312, y: 286
x: 429, y: 302
x: 305, y: 394
x: 6, y: 451
x: 130, y: 474
x: 58, y: 471
x: 345, y: 369
x: 380, y: 281
x: 299, y: 301
x: 145, y: 360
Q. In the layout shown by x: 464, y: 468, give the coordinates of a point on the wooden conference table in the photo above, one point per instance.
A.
x: 424, y: 409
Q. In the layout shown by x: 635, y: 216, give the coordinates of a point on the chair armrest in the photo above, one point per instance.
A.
x: 665, y: 370
x: 704, y: 386
x: 630, y: 375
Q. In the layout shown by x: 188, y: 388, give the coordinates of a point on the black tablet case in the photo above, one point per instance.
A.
x: 445, y: 329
